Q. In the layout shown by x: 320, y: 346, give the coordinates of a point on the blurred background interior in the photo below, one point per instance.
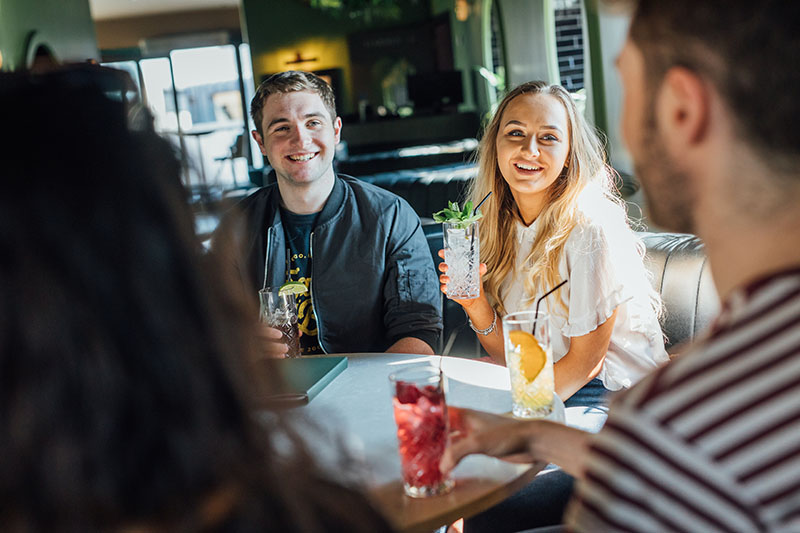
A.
x: 414, y: 79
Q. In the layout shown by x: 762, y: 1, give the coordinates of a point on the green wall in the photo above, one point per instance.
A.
x: 606, y: 35
x: 273, y: 21
x: 65, y: 25
x: 271, y: 25
x: 472, y: 46
x: 472, y: 52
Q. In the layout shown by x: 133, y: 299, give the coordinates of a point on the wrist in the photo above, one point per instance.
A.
x: 488, y: 329
x: 481, y: 314
x: 556, y: 443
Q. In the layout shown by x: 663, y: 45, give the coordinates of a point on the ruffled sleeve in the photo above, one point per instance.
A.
x: 595, y: 266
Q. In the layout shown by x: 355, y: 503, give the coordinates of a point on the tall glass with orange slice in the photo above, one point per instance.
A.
x: 526, y: 337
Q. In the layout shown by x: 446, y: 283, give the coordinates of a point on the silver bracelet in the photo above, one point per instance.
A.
x: 488, y: 330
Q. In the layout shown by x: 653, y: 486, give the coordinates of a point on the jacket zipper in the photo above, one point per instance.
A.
x: 266, y: 257
x: 311, y: 290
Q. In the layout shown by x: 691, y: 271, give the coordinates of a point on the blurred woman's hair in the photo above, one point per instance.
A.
x: 125, y: 401
x: 585, y: 184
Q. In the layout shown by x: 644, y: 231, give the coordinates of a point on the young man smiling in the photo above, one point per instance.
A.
x: 359, y: 249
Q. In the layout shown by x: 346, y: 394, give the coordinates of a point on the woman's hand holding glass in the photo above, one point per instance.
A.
x: 481, y: 314
x: 444, y: 279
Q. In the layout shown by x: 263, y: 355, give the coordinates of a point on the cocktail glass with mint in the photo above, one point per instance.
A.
x: 461, y: 250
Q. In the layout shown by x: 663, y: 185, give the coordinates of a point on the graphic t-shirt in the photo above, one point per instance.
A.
x: 297, y: 230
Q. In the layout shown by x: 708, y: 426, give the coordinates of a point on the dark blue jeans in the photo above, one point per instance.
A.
x: 543, y: 501
x: 593, y: 394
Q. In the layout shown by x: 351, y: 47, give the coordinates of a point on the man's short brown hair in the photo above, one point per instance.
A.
x: 748, y: 49
x: 289, y: 82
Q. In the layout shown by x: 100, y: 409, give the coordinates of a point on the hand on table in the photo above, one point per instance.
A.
x: 489, y: 434
x: 270, y: 342
x: 518, y: 441
x: 444, y: 279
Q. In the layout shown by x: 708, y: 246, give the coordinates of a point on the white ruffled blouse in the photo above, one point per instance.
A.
x: 605, y: 272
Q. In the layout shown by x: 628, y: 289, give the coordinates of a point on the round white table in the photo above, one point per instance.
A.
x: 357, y: 406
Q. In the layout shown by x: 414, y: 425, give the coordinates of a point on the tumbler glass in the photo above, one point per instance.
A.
x: 280, y: 312
x: 420, y: 411
x: 462, y: 255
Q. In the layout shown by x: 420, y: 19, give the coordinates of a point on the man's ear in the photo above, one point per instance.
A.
x: 337, y: 129
x: 683, y: 106
x: 259, y: 141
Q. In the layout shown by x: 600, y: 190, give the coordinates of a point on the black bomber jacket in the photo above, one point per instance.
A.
x: 373, y: 280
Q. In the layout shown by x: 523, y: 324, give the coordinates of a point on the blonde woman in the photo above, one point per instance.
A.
x: 552, y: 216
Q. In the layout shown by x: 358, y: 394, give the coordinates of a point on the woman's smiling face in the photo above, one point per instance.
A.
x: 532, y: 147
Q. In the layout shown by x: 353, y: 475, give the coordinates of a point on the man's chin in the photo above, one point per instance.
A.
x: 668, y: 200
x: 668, y: 218
x: 300, y: 178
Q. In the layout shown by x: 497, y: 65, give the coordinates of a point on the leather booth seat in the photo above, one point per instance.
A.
x: 679, y: 272
x: 414, y: 157
x: 427, y: 190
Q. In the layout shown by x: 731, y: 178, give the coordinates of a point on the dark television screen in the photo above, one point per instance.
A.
x: 433, y: 90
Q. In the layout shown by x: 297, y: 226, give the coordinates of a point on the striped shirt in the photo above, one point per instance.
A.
x: 711, y: 441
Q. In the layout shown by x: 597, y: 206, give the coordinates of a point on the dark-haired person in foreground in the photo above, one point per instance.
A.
x: 124, y: 405
x: 710, y: 442
x: 359, y: 249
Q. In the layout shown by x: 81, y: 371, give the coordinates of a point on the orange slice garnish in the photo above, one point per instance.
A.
x: 531, y: 356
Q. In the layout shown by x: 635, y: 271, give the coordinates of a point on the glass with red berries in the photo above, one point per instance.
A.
x: 418, y: 395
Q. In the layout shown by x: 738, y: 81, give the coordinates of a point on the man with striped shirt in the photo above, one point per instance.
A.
x: 710, y: 442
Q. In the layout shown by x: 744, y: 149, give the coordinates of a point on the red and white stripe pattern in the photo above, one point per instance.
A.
x: 710, y: 442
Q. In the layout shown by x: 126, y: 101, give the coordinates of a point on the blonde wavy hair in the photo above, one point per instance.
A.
x: 586, y: 166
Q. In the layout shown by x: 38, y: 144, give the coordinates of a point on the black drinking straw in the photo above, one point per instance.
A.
x: 548, y: 293
x: 475, y: 211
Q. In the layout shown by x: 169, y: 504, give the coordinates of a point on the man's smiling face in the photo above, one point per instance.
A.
x: 298, y: 137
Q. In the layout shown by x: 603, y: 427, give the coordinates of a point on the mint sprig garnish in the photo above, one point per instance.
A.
x: 453, y: 214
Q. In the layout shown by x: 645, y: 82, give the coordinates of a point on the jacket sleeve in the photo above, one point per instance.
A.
x: 412, y: 300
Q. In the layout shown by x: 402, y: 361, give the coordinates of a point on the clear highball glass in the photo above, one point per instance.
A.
x: 462, y: 255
